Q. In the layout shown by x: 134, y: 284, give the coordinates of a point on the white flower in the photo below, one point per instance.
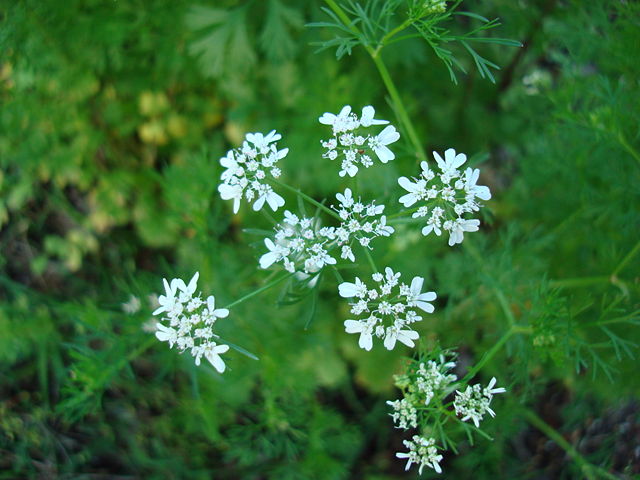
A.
x: 167, y: 301
x: 349, y: 290
x: 187, y: 291
x: 353, y: 144
x: 261, y: 141
x: 474, y: 402
x: 450, y: 163
x: 390, y: 314
x: 418, y: 299
x: 379, y: 143
x: 231, y: 192
x: 367, y: 119
x: 301, y: 244
x: 213, y: 312
x: 358, y: 223
x: 191, y: 321
x: 365, y: 331
x: 166, y: 334
x: 246, y: 169
x: 212, y: 353
x: 458, y: 227
x: 449, y: 200
x: 275, y: 254
x: 403, y: 336
x: 417, y: 191
x: 267, y: 194
x: 404, y: 414
x: 479, y: 191
x: 132, y: 305
x: 342, y: 122
x: 422, y: 451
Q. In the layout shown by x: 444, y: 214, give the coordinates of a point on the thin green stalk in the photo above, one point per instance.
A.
x: 306, y: 197
x: 259, y: 290
x: 580, y: 282
x: 627, y: 146
x: 502, y: 298
x: 401, y: 111
x: 374, y: 53
x: 634, y: 251
x: 370, y: 259
x: 515, y: 329
x: 591, y: 472
x: 402, y: 213
x: 401, y: 220
x: 488, y: 356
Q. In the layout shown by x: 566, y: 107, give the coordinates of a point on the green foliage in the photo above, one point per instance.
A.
x: 112, y: 117
x: 377, y: 24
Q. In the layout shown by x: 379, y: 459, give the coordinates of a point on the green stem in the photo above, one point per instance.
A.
x: 401, y: 111
x: 402, y: 213
x: 627, y: 146
x: 634, y: 251
x: 306, y: 197
x: 580, y: 282
x: 374, y: 53
x: 591, y: 472
x: 515, y: 329
x: 502, y: 298
x: 370, y: 259
x: 488, y: 356
x: 259, y: 290
x: 393, y: 33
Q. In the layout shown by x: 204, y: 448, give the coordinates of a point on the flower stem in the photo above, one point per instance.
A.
x: 370, y: 259
x: 374, y: 53
x: 634, y: 251
x: 496, y: 347
x: 401, y: 213
x: 259, y: 290
x: 306, y: 197
x: 591, y: 472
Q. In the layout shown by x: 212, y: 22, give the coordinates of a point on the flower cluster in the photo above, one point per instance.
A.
x: 191, y: 320
x: 432, y: 378
x: 404, y: 414
x: 359, y: 223
x: 474, y: 402
x: 447, y: 195
x: 300, y: 245
x: 354, y: 146
x: 383, y: 302
x: 427, y: 385
x: 247, y: 168
x: 422, y: 451
x: 420, y: 384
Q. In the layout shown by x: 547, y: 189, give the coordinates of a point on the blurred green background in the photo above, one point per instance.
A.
x: 113, y: 115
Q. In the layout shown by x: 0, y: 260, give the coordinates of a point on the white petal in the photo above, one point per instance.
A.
x: 427, y: 307
x: 407, y: 184
x: 352, y: 326
x: 416, y: 285
x: 407, y: 337
x: 257, y: 205
x: 384, y: 154
x: 347, y: 289
x: 365, y: 342
x: 327, y: 118
x: 390, y: 341
x: 211, y: 303
x: 216, y: 361
x: 388, y: 135
x: 268, y: 259
x: 275, y: 201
